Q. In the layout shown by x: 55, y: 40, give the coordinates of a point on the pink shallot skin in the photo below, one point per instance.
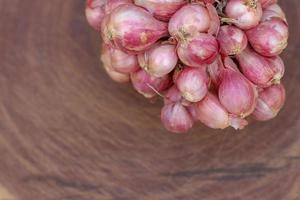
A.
x: 273, y: 11
x: 193, y: 83
x: 121, y: 61
x: 269, y: 103
x: 161, y: 9
x: 237, y: 94
x: 258, y: 69
x: 148, y: 85
x: 191, y: 19
x: 266, y: 3
x: 113, y: 4
x: 95, y: 11
x: 232, y: 40
x: 245, y: 14
x: 132, y: 29
x: 210, y: 112
x: 198, y: 50
x: 176, y: 118
x: 106, y: 61
x: 270, y: 37
x: 159, y: 60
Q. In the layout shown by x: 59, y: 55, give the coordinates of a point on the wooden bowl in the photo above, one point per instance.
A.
x: 67, y: 132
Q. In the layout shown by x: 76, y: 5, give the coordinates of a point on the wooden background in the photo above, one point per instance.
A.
x: 67, y: 132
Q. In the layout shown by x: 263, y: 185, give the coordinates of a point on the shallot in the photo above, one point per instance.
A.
x: 245, y: 14
x: 192, y: 83
x: 132, y: 29
x: 257, y: 68
x: 198, y: 50
x: 148, y: 85
x: 188, y: 21
x: 176, y: 118
x: 236, y: 93
x: 95, y: 11
x: 121, y: 61
x: 159, y: 60
x: 215, y: 62
x: 269, y: 102
x: 211, y: 113
x: 232, y: 40
x: 114, y: 75
x: 270, y: 37
x: 161, y: 9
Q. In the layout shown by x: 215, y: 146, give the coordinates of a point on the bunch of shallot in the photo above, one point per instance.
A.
x: 213, y: 61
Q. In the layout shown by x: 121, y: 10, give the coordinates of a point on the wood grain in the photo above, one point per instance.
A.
x: 67, y: 132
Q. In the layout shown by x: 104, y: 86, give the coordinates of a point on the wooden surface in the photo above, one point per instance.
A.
x: 67, y: 132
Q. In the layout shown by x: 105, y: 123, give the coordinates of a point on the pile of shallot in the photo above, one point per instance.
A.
x: 213, y: 61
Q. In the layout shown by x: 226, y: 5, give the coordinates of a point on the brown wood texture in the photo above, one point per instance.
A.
x: 67, y: 132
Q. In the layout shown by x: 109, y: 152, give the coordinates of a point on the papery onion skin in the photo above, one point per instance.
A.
x: 106, y: 60
x: 132, y: 29
x: 95, y: 11
x: 193, y: 83
x: 270, y: 102
x: 159, y: 60
x: 148, y: 85
x: 273, y: 11
x: 173, y: 95
x: 211, y: 113
x: 278, y: 67
x: 245, y: 14
x: 214, y: 19
x: 161, y: 9
x: 198, y: 50
x: 256, y: 68
x: 188, y: 21
x: 237, y: 94
x: 232, y: 40
x: 270, y: 37
x: 176, y: 118
x: 123, y: 62
x: 266, y: 3
x: 113, y: 4
x: 214, y: 71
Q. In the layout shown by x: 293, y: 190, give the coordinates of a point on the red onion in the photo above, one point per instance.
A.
x: 192, y: 83
x: 114, y: 75
x: 148, y: 85
x: 269, y: 38
x: 245, y: 14
x: 266, y: 3
x: 189, y: 20
x: 232, y: 40
x: 215, y: 70
x: 198, y: 50
x: 236, y: 93
x: 132, y: 28
x: 159, y: 60
x: 176, y: 118
x: 278, y: 67
x: 272, y: 11
x: 173, y: 95
x: 94, y: 12
x: 257, y: 68
x: 122, y: 62
x: 112, y: 4
x: 214, y: 19
x: 269, y: 102
x: 211, y: 113
x: 161, y: 9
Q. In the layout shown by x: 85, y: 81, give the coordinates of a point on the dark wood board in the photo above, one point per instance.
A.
x: 67, y: 132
